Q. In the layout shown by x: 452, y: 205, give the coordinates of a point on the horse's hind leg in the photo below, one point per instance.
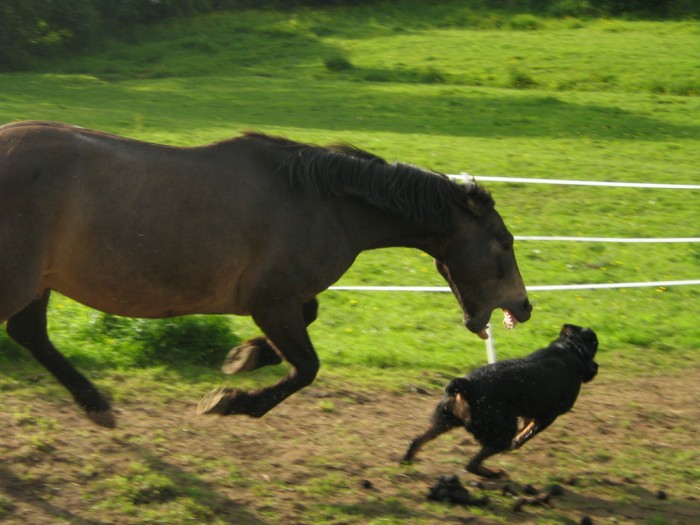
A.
x: 258, y: 352
x: 28, y: 327
x: 285, y: 326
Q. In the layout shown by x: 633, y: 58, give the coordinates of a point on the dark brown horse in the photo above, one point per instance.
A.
x: 254, y: 226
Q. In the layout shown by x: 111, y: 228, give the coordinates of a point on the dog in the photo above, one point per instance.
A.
x: 533, y: 391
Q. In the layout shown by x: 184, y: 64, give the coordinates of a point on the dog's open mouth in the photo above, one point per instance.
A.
x: 509, y: 321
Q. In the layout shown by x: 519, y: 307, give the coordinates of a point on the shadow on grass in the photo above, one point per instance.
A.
x: 211, y: 505
x: 197, y: 340
x: 636, y: 503
x: 220, y: 106
x: 200, y: 498
x: 17, y: 489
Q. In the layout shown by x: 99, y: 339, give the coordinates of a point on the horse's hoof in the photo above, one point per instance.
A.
x: 104, y: 418
x: 249, y: 356
x: 217, y: 401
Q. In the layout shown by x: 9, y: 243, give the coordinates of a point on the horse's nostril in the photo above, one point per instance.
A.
x: 527, y: 306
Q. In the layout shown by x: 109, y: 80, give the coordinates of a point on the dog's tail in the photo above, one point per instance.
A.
x: 460, y: 385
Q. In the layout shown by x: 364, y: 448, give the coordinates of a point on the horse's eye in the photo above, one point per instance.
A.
x: 507, y: 241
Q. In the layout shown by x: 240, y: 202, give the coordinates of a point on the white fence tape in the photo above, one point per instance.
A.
x: 607, y: 239
x: 563, y: 182
x: 540, y: 288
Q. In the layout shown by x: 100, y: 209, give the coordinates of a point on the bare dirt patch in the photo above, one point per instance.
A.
x: 628, y: 453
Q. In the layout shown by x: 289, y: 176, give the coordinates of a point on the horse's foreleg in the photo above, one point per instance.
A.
x: 258, y: 352
x: 285, y: 328
x: 28, y: 328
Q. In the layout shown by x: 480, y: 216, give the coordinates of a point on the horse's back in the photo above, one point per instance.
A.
x: 142, y: 229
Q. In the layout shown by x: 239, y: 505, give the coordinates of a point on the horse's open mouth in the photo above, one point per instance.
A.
x: 509, y: 321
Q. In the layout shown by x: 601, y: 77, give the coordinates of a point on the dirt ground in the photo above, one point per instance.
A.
x: 331, y: 455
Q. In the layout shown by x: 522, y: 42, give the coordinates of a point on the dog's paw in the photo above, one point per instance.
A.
x: 488, y: 473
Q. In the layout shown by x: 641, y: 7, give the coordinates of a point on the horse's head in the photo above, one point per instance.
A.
x: 478, y: 262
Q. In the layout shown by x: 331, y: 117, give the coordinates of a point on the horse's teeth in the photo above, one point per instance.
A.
x: 509, y: 320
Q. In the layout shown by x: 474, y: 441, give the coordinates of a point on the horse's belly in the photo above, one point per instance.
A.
x: 137, y: 295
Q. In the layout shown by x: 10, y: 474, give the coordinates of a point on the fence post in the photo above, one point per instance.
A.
x: 490, y: 345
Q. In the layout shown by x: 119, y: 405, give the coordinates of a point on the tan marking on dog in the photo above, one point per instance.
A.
x: 460, y: 408
x: 528, y: 424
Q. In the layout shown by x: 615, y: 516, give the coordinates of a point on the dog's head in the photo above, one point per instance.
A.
x: 583, y: 341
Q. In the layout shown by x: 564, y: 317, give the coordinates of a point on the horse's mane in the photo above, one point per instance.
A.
x: 418, y: 195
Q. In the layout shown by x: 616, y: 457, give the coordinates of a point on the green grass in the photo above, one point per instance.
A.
x: 453, y: 89
x: 450, y: 88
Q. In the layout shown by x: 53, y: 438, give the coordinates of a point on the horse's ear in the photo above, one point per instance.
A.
x: 462, y: 200
x: 473, y: 198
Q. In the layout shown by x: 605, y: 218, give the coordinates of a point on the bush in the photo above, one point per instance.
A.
x: 30, y: 28
x: 572, y: 8
x: 337, y: 64
x: 521, y: 80
x: 431, y: 76
x: 525, y: 23
x: 195, y: 339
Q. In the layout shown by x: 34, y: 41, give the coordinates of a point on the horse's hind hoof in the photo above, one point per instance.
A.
x: 251, y: 355
x: 218, y: 401
x: 228, y: 401
x: 104, y: 418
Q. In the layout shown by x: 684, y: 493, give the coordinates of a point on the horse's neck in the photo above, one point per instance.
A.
x: 376, y: 229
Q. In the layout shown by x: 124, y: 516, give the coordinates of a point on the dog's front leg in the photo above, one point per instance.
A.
x: 526, y: 433
x: 475, y: 465
x: 530, y: 430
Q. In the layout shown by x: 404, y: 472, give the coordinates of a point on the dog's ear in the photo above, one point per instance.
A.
x: 570, y: 330
x: 457, y: 386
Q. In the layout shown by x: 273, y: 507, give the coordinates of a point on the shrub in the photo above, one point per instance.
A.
x: 525, y: 22
x: 337, y: 63
x: 521, y: 80
x: 431, y: 76
x: 196, y: 339
x: 193, y: 339
x: 572, y: 8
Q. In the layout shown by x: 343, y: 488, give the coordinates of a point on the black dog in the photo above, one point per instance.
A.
x: 535, y: 389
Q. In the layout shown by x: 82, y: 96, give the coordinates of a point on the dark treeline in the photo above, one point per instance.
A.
x: 35, y: 28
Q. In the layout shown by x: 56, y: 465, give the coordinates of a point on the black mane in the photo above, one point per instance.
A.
x: 418, y: 195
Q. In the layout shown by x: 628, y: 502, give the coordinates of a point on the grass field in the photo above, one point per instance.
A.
x: 488, y: 93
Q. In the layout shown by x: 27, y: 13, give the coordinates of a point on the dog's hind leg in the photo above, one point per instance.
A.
x: 430, y: 434
x: 451, y: 413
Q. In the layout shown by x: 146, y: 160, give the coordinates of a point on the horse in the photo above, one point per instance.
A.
x: 256, y: 225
